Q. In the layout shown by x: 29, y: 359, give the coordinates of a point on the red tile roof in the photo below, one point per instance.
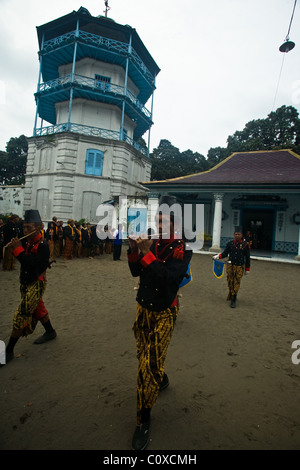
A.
x: 263, y: 167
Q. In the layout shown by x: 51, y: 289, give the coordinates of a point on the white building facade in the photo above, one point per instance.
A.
x: 258, y: 191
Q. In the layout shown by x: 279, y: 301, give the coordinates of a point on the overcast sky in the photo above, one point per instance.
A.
x: 219, y: 59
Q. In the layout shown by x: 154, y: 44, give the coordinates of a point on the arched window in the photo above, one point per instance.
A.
x: 94, y: 162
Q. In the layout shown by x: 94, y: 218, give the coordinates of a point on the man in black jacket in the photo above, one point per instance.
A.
x: 238, y: 264
x: 161, y: 265
x: 33, y: 255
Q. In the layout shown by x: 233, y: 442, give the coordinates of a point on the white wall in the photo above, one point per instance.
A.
x: 12, y: 200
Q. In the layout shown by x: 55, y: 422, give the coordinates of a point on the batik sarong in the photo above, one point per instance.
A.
x: 51, y: 248
x: 234, y: 276
x: 8, y: 259
x: 153, y: 331
x: 69, y: 247
x: 31, y: 309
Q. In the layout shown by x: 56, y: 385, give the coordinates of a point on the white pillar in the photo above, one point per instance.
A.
x: 153, y: 203
x: 297, y: 258
x: 216, y: 239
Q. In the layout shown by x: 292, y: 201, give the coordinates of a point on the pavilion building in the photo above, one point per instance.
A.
x: 259, y: 191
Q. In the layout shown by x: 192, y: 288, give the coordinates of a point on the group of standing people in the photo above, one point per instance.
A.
x: 83, y: 240
x: 70, y: 240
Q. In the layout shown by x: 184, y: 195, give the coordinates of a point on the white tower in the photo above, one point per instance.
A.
x: 95, y: 78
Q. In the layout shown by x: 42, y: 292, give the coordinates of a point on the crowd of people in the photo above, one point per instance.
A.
x: 66, y: 240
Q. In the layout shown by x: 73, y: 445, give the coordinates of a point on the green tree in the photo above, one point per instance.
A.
x: 192, y: 162
x: 280, y: 130
x: 216, y: 155
x: 13, y: 161
x: 168, y: 162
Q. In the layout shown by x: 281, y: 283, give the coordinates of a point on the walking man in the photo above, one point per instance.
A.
x: 33, y: 255
x: 161, y: 265
x: 238, y: 264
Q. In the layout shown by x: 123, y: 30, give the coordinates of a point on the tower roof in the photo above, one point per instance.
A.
x: 99, y: 25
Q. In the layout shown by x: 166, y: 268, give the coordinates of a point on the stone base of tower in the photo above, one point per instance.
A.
x: 58, y: 182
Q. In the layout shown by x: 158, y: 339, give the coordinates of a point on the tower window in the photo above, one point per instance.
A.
x: 102, y: 82
x: 94, y: 162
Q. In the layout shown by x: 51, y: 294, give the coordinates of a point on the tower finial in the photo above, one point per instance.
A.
x: 107, y: 8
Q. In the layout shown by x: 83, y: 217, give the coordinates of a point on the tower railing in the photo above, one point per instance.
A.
x: 100, y: 42
x: 96, y: 85
x: 90, y: 131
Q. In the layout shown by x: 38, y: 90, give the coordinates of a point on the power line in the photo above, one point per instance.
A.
x: 287, y: 37
x: 285, y: 47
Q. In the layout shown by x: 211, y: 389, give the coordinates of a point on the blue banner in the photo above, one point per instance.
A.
x: 218, y: 268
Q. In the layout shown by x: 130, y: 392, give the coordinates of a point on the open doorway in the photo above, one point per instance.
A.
x: 260, y: 222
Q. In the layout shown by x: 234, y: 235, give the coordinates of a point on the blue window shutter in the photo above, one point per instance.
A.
x: 90, y: 159
x: 94, y: 162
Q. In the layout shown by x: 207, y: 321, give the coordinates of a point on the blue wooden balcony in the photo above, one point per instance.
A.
x: 59, y: 50
x: 91, y: 131
x: 58, y: 90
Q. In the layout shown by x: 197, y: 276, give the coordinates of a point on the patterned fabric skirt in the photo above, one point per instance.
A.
x: 152, y: 331
x: 51, y: 248
x: 8, y: 259
x: 234, y: 277
x: 31, y: 308
x: 57, y: 250
x: 69, y: 247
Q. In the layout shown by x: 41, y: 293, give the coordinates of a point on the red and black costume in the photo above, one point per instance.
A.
x: 34, y: 259
x: 239, y: 261
x: 161, y: 270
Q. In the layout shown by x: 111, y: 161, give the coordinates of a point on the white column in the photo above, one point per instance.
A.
x: 153, y: 203
x: 216, y: 239
x: 297, y: 258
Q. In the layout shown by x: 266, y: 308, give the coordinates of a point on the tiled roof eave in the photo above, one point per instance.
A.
x: 151, y: 185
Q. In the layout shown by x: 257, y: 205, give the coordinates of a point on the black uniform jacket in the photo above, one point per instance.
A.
x: 69, y: 232
x: 34, y: 259
x: 10, y: 231
x: 238, y: 253
x: 160, y: 271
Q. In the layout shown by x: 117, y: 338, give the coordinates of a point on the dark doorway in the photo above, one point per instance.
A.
x: 260, y: 222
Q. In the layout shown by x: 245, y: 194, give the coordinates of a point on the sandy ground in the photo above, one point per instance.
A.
x: 233, y: 384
